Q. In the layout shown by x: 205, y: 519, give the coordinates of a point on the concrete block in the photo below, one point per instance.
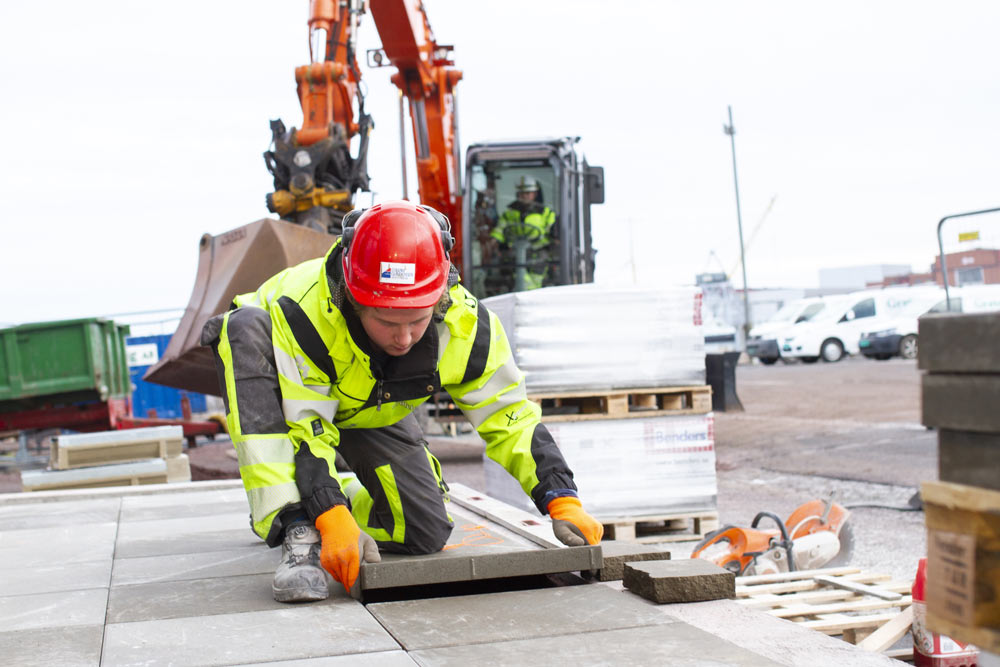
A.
x: 688, y: 580
x: 340, y: 627
x: 65, y: 544
x: 966, y: 457
x: 90, y: 449
x: 961, y: 402
x: 78, y: 646
x: 178, y: 468
x: 151, y: 471
x: 616, y: 554
x: 53, y: 610
x: 959, y: 343
x: 51, y: 515
x: 502, y: 617
x: 202, y: 565
x: 160, y: 600
x: 184, y: 535
x: 676, y: 644
x: 55, y: 576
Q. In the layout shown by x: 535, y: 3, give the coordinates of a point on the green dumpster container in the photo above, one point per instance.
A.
x: 69, y: 361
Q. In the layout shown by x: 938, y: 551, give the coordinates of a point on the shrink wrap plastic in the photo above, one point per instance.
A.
x: 582, y: 337
x: 630, y: 467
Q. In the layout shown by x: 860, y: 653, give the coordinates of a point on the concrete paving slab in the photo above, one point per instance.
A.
x: 961, y: 402
x: 687, y: 580
x: 78, y: 646
x: 178, y: 511
x: 495, y: 617
x: 202, y: 565
x: 675, y: 644
x: 964, y: 343
x: 197, y: 597
x: 53, y: 610
x: 615, y: 554
x: 55, y: 576
x: 184, y: 535
x: 342, y: 627
x: 46, y: 515
x: 381, y: 659
x: 63, y: 544
x: 969, y: 458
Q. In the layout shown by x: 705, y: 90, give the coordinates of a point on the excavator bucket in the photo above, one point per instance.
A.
x: 231, y: 263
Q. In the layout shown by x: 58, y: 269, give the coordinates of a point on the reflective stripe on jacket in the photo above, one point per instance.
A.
x: 329, y: 381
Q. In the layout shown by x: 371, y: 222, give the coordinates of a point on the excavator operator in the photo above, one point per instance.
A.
x: 527, y: 221
x: 334, y: 355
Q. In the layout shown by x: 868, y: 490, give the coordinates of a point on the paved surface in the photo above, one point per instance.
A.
x: 171, y: 575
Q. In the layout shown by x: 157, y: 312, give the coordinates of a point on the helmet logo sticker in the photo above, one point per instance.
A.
x: 397, y: 273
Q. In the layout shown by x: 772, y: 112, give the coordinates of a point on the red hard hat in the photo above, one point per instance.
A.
x: 396, y: 255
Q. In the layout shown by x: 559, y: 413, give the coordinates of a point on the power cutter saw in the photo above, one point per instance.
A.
x: 816, y: 534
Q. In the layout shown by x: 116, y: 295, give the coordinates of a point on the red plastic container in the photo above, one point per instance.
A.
x: 929, y: 648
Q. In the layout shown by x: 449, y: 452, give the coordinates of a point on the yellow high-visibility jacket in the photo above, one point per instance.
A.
x: 331, y: 377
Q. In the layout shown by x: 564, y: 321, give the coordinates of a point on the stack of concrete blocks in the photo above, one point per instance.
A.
x: 592, y: 338
x: 113, y: 458
x: 960, y: 354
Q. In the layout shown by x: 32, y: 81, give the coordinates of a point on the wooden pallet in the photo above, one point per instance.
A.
x: 660, y: 528
x: 863, y: 608
x: 623, y: 403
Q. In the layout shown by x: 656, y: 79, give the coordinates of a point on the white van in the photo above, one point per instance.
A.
x: 898, y: 336
x: 763, y: 341
x: 835, y: 332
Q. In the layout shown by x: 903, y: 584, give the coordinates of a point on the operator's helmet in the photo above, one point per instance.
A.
x: 526, y: 184
x: 396, y: 255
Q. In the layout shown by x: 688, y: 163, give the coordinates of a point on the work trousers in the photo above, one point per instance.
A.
x: 402, y: 500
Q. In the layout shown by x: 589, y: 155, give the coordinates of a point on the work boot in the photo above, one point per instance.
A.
x: 300, y: 577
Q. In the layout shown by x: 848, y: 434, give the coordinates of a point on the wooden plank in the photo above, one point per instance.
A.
x: 889, y: 633
x: 791, y: 576
x: 836, y: 607
x: 624, y: 403
x: 857, y: 587
x: 682, y: 526
x: 817, y: 596
x: 803, y: 584
x: 834, y: 624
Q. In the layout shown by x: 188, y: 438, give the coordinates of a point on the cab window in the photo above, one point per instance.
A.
x: 861, y: 309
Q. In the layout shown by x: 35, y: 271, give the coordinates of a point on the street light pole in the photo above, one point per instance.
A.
x: 731, y: 131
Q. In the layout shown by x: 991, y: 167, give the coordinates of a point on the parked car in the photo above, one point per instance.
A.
x: 763, y: 341
x: 835, y: 332
x: 898, y: 336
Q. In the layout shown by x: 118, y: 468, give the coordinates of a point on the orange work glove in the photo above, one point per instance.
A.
x: 344, y: 546
x: 572, y: 526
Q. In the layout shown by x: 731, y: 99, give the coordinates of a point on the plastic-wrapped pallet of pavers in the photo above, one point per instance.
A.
x: 603, y: 337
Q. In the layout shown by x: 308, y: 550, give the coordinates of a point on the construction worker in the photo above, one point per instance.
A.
x: 334, y: 355
x: 529, y: 222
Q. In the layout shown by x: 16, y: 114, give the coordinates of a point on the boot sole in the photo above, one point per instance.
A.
x: 299, y: 594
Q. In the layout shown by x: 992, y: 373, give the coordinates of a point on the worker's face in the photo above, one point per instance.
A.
x: 526, y: 196
x: 396, y: 330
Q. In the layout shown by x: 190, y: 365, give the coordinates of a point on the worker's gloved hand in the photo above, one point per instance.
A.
x: 572, y: 526
x: 344, y: 547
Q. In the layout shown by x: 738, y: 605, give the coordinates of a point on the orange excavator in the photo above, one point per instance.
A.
x: 316, y: 178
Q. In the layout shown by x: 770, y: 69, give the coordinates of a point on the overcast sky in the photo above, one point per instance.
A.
x: 132, y: 128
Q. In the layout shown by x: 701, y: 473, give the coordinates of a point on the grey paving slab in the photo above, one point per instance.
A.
x: 62, y: 544
x: 53, y: 610
x: 965, y: 457
x: 197, y: 597
x: 686, y: 580
x: 201, y: 565
x: 294, y: 632
x: 386, y: 658
x: 961, y: 402
x: 184, y: 535
x: 675, y: 644
x: 55, y: 576
x: 46, y: 515
x: 951, y: 342
x: 492, y: 617
x: 615, y: 554
x: 194, y: 504
x: 77, y: 646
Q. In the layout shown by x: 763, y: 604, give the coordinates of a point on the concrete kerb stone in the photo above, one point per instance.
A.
x: 962, y: 343
x: 617, y: 554
x: 961, y: 402
x: 690, y: 580
x: 966, y: 457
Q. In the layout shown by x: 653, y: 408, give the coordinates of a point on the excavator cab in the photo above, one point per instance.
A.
x: 527, y: 215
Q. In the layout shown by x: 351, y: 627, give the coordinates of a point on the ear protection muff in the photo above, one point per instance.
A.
x: 447, y: 240
x: 347, y: 224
